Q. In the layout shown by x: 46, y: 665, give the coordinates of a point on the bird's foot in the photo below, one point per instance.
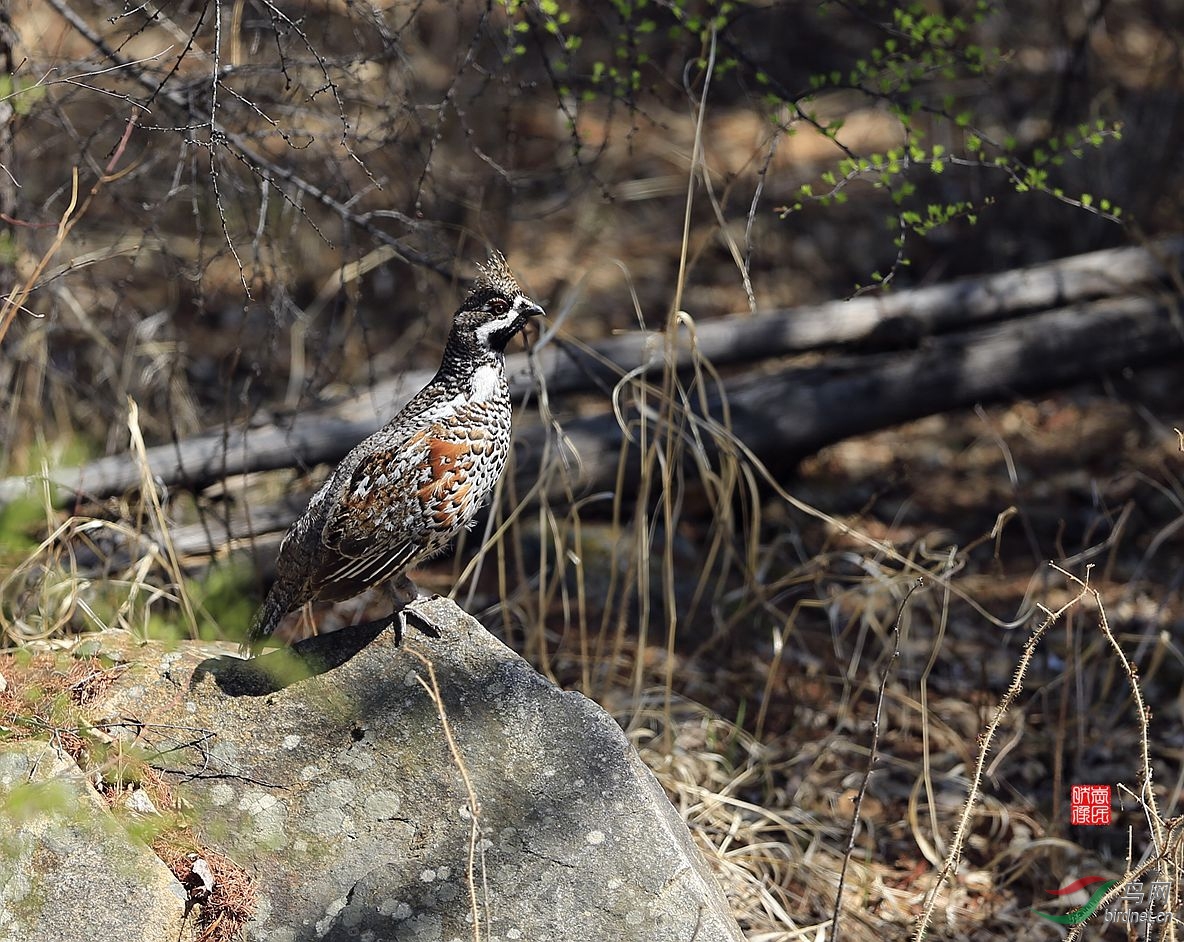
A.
x: 408, y: 615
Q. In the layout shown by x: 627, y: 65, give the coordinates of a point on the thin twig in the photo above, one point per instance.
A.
x: 433, y: 690
x: 242, y: 150
x: 1146, y: 796
x: 985, y: 741
x: 15, y: 301
x: 871, y: 758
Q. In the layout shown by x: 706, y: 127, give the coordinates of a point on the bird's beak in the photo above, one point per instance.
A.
x: 524, y: 310
x: 525, y: 307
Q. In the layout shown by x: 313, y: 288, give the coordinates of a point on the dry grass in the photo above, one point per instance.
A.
x: 39, y: 696
x: 883, y: 764
x: 223, y: 892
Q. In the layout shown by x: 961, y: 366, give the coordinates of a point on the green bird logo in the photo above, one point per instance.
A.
x: 1081, y: 913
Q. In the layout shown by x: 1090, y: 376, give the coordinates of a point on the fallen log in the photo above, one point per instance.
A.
x: 896, y: 320
x: 784, y: 414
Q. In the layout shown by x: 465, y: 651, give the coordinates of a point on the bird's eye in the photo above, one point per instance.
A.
x: 498, y: 306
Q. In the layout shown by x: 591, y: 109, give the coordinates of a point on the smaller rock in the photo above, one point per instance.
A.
x: 203, y: 872
x: 68, y: 863
x: 137, y: 801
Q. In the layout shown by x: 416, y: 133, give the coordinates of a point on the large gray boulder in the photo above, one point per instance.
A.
x: 327, y: 771
x: 68, y: 869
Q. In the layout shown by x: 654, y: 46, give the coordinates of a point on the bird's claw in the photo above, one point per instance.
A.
x: 406, y: 616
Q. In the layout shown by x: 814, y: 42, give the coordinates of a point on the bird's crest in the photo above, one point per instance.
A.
x: 495, y: 278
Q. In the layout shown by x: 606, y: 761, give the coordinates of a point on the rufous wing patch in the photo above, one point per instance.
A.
x: 447, y: 460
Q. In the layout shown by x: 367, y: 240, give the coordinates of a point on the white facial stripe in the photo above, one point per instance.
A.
x: 489, y: 328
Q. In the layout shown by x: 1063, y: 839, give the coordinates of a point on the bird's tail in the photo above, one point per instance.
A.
x: 273, y: 609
